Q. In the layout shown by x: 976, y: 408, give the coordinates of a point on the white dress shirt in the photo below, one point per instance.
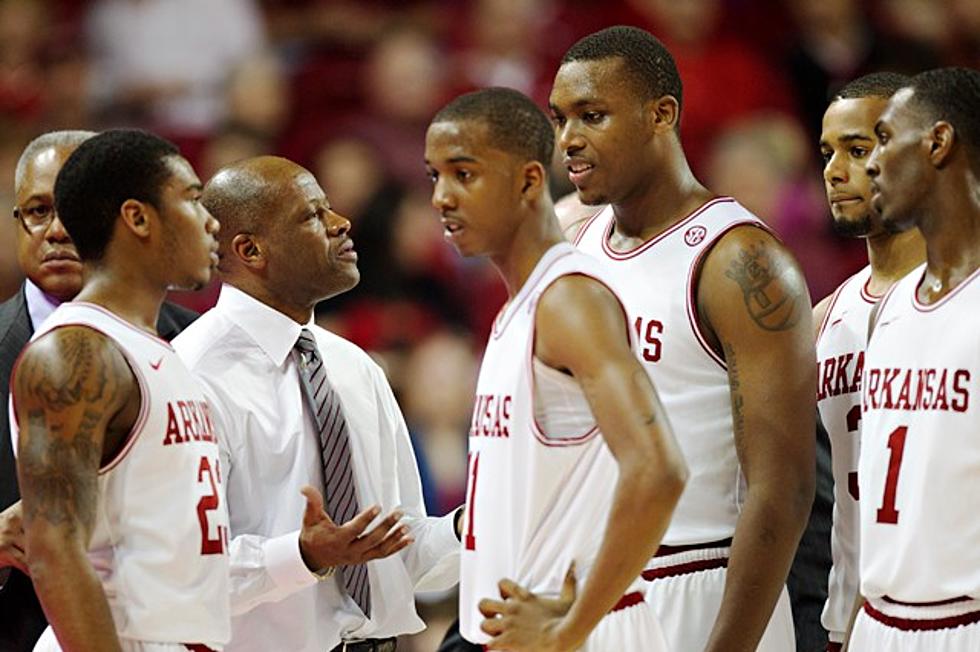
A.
x: 241, y: 350
x: 40, y: 304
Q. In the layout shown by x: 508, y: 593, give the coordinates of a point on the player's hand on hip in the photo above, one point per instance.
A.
x: 12, y: 541
x: 324, y: 544
x: 524, y: 622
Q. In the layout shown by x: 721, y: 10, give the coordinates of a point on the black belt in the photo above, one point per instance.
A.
x: 368, y: 645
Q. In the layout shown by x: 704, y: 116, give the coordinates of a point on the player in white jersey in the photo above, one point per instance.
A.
x: 572, y: 461
x: 842, y: 318
x: 919, y: 469
x: 723, y: 319
x: 123, y: 508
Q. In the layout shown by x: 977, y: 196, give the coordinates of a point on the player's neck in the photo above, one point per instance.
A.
x: 129, y: 296
x: 892, y: 256
x: 660, y: 204
x: 534, y: 237
x: 952, y: 235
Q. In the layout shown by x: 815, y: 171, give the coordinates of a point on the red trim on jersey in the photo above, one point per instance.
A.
x: 141, y: 419
x: 536, y: 428
x: 694, y: 275
x: 830, y: 308
x: 652, y: 574
x: 867, y: 295
x: 923, y: 625
x: 627, y: 601
x: 585, y: 225
x: 510, y: 308
x: 636, y: 251
x: 921, y: 307
x: 880, y: 311
x: 129, y: 325
x: 936, y: 603
x: 198, y: 647
x: 665, y: 550
x: 834, y: 647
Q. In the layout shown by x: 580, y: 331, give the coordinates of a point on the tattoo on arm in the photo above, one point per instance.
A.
x: 53, y: 472
x: 774, y: 306
x: 735, y: 385
x: 69, y: 396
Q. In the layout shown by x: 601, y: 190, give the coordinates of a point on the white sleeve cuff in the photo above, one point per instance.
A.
x: 285, y: 564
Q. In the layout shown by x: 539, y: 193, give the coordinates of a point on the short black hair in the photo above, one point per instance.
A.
x: 952, y: 95
x: 877, y: 84
x: 105, y: 171
x: 517, y: 125
x: 647, y: 60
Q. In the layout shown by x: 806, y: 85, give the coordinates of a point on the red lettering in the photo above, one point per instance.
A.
x: 653, y: 328
x: 903, y: 394
x: 941, y: 402
x: 173, y: 433
x: 840, y: 379
x: 871, y: 391
x: 961, y: 403
x: 829, y: 367
x: 888, y: 378
x: 858, y: 370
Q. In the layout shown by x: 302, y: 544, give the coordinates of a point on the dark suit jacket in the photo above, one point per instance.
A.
x: 21, y: 618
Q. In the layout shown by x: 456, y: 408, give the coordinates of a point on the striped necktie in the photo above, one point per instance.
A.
x: 340, y: 495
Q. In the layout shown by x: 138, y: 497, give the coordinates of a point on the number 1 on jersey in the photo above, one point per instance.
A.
x: 896, y: 443
x: 473, y: 462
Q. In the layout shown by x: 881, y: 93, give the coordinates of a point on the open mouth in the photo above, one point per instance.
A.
x: 346, y: 251
x: 578, y: 170
x: 451, y: 227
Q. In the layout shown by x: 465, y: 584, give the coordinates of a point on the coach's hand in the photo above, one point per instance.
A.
x: 524, y: 622
x: 325, y: 544
x: 12, y: 539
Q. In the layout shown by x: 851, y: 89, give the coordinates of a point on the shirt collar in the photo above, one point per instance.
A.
x: 39, y: 304
x: 272, y: 331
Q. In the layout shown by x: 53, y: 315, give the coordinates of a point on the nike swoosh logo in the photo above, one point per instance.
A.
x: 837, y: 321
x: 156, y: 365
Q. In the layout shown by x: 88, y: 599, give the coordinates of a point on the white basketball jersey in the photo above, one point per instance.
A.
x: 840, y: 361
x: 919, y: 472
x: 657, y: 284
x: 537, y: 499
x: 161, y: 534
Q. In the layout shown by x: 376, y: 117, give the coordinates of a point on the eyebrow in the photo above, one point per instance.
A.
x: 578, y: 104
x: 194, y: 186
x: 846, y: 138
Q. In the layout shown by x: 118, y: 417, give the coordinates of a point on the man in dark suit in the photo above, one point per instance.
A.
x: 54, y: 275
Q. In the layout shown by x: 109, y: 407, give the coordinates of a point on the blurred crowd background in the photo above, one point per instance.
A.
x: 346, y: 88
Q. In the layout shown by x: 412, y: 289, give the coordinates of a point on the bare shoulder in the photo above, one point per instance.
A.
x: 572, y: 214
x: 71, y: 367
x: 578, y: 317
x: 750, y: 267
x: 70, y: 385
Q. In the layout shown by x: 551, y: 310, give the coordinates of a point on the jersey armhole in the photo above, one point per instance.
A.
x: 694, y: 278
x: 539, y: 432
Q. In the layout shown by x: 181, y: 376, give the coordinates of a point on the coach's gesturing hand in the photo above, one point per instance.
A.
x: 525, y: 622
x: 324, y: 544
x: 12, y: 538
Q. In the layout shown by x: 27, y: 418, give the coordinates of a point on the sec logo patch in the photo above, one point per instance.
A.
x: 695, y: 235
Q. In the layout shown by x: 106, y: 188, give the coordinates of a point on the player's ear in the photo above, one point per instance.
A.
x: 941, y: 137
x: 534, y: 180
x: 664, y: 113
x: 248, y: 251
x: 136, y: 216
